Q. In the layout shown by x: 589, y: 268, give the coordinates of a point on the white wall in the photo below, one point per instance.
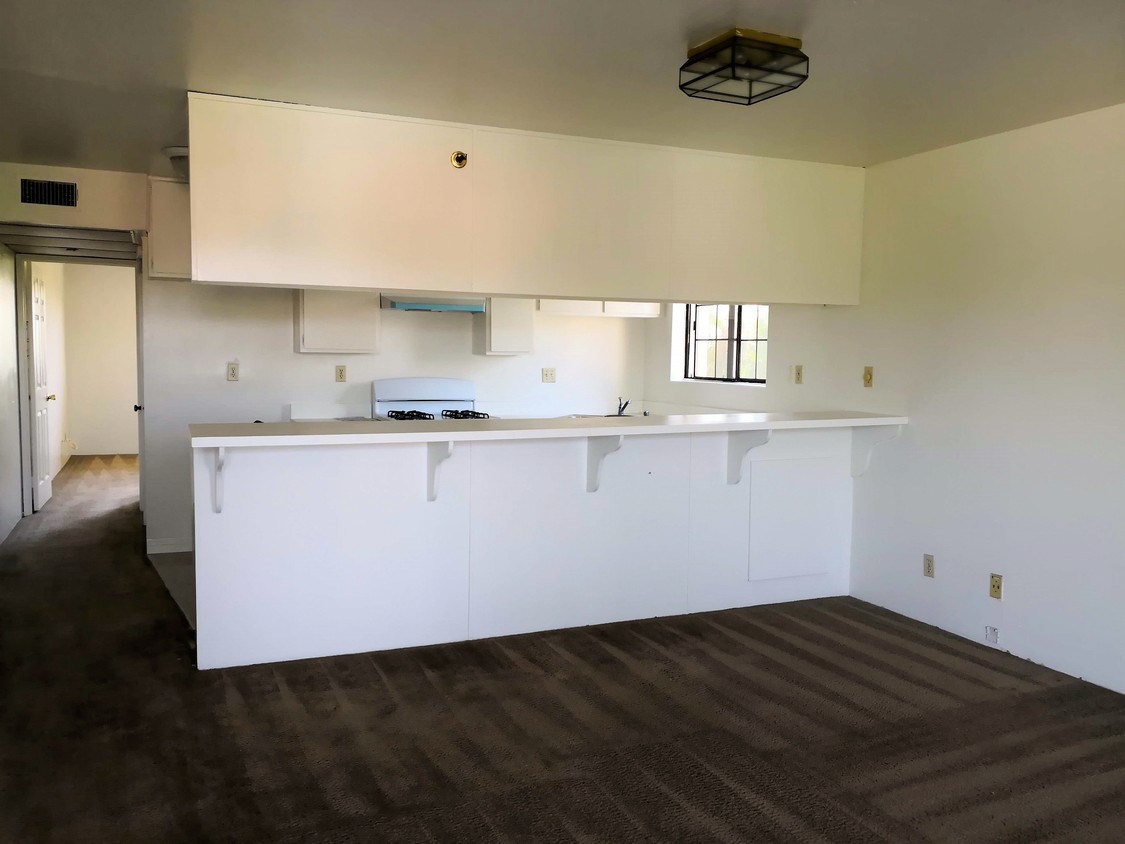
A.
x: 993, y: 304
x: 11, y: 466
x: 58, y: 411
x: 191, y: 331
x: 1001, y: 264
x: 101, y: 358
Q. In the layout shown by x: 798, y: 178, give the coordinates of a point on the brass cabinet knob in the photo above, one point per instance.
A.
x: 459, y: 159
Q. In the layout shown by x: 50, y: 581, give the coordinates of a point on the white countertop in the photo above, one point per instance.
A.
x: 249, y: 435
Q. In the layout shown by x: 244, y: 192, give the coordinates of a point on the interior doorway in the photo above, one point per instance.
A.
x: 80, y: 320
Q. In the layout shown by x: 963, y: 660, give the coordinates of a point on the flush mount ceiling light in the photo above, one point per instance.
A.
x: 744, y: 66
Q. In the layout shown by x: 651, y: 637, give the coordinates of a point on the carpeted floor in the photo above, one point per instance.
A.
x: 825, y: 720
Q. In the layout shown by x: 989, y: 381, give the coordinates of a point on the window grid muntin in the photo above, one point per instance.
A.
x: 735, y: 341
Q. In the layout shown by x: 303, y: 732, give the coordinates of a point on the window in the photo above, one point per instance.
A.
x: 726, y: 342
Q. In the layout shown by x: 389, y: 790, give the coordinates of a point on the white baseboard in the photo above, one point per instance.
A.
x: 167, y: 546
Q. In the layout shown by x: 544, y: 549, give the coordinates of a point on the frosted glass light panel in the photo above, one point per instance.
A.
x: 726, y: 343
x: 744, y: 67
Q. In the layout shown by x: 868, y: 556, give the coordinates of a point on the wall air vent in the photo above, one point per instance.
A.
x: 42, y: 192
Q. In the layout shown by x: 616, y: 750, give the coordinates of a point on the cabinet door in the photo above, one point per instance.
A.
x: 169, y: 229
x: 510, y: 326
x: 570, y: 217
x: 764, y: 230
x: 296, y: 196
x: 632, y: 309
x: 570, y: 307
x: 339, y: 321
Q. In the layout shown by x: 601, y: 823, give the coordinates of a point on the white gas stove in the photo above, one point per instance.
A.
x: 397, y: 399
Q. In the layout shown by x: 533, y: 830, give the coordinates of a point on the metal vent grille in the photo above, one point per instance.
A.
x: 42, y: 192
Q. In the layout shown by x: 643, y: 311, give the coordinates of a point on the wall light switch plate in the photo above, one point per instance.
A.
x: 992, y: 635
x: 341, y: 373
x: 232, y: 371
x: 996, y: 586
x: 928, y: 565
x: 868, y: 376
x: 548, y: 375
x: 799, y: 374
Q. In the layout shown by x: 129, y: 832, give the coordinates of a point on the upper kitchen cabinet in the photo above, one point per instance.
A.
x: 570, y: 216
x: 169, y: 229
x: 764, y: 230
x: 295, y: 196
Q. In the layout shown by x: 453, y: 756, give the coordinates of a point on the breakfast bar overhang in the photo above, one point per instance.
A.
x: 322, y: 538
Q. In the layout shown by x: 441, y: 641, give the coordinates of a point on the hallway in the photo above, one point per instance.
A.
x: 828, y: 720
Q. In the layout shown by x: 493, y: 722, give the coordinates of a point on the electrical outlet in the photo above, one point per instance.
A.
x: 798, y: 374
x: 868, y: 376
x: 548, y: 375
x: 992, y: 635
x: 928, y: 565
x: 996, y: 586
x: 341, y: 373
x: 232, y: 371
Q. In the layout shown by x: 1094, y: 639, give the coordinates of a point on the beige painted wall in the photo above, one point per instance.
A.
x: 106, y: 199
x: 101, y: 358
x: 993, y: 304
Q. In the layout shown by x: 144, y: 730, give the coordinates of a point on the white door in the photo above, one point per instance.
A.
x: 41, y: 399
x: 139, y: 405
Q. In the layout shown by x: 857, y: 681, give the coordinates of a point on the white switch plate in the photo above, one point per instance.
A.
x: 928, y: 565
x: 341, y: 373
x: 799, y: 374
x: 548, y: 375
x: 232, y: 371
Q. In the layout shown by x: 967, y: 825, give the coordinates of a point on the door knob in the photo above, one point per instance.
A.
x: 138, y: 407
x: 52, y: 397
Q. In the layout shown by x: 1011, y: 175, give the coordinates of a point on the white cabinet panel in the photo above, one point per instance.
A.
x: 571, y: 307
x: 632, y: 309
x: 568, y: 216
x: 169, y: 229
x: 301, y: 197
x: 764, y: 230
x: 783, y: 533
x: 799, y: 509
x: 341, y: 321
x: 509, y: 326
x: 306, y: 557
x: 546, y: 553
x: 589, y: 307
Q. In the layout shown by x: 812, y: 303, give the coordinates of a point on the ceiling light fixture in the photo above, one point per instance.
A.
x: 744, y: 66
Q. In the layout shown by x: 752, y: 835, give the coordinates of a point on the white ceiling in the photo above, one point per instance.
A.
x: 101, y: 84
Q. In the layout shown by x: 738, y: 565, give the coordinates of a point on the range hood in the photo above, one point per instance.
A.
x: 447, y: 304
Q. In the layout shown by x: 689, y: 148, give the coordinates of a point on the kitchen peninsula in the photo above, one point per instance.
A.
x: 322, y: 538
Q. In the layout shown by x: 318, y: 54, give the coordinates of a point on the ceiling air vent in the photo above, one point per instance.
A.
x: 42, y: 192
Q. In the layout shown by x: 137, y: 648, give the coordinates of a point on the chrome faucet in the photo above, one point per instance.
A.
x: 621, y: 405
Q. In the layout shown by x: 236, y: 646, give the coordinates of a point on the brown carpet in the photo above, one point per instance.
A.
x: 825, y: 720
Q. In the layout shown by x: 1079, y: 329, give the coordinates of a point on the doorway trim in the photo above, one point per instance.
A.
x: 24, y: 353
